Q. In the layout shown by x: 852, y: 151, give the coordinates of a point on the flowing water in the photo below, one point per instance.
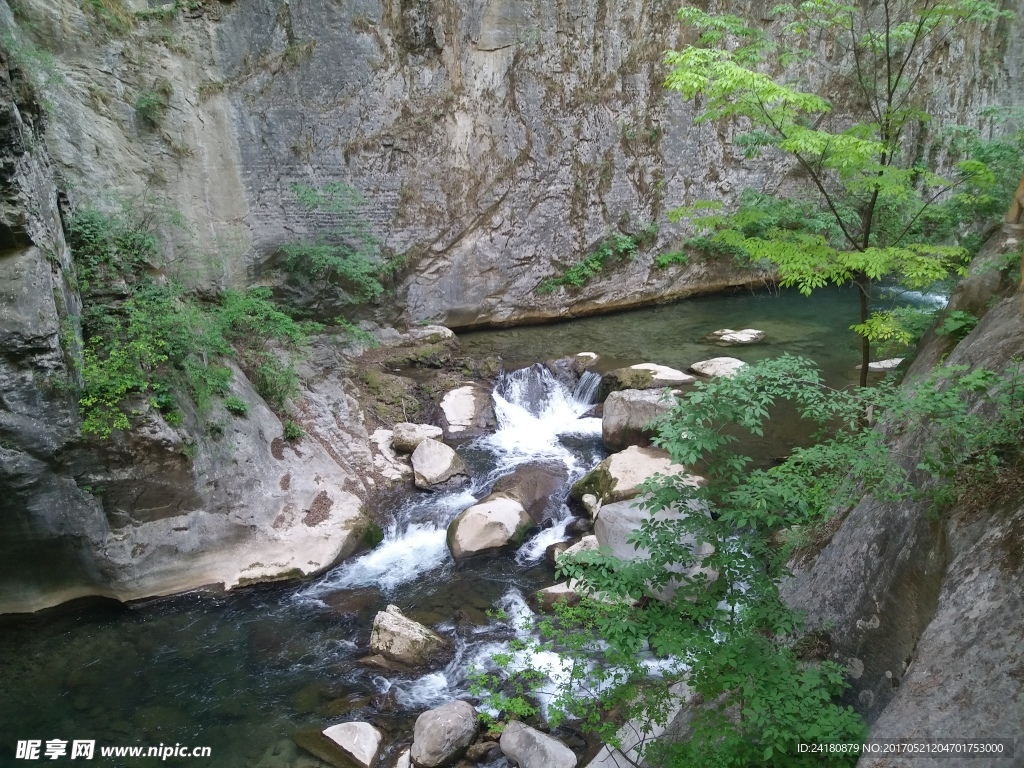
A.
x: 241, y: 672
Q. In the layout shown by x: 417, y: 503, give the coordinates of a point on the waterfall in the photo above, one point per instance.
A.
x: 534, y: 411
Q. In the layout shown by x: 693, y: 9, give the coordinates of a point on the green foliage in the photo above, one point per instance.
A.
x: 664, y: 260
x: 236, y: 405
x: 292, y: 430
x: 39, y: 65
x: 612, y: 249
x: 957, y: 324
x: 112, y: 14
x: 705, y: 607
x: 345, y: 265
x: 151, y: 105
x: 148, y: 341
x: 876, y: 201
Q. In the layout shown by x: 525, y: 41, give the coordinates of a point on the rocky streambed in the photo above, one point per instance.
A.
x: 247, y: 672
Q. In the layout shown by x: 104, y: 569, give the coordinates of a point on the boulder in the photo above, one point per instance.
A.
x: 401, y: 639
x: 361, y: 741
x: 443, y: 734
x: 404, y: 760
x: 468, y: 411
x: 545, y: 600
x: 620, y: 476
x: 532, y: 749
x: 619, y: 521
x: 718, y: 366
x: 727, y: 337
x: 408, y: 436
x: 537, y: 487
x: 628, y: 415
x: 586, y: 544
x: 435, y: 465
x: 492, y: 523
x: 641, y: 376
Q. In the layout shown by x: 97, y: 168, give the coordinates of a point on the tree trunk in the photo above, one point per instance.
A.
x: 865, y: 344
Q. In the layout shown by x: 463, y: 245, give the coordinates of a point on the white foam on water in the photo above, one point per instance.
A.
x: 535, y: 547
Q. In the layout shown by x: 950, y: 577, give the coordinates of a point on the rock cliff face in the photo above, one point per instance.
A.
x: 496, y: 141
x: 159, y: 509
x: 926, y: 610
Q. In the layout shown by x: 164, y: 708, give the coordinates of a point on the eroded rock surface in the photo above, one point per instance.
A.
x: 399, y: 638
x: 532, y: 749
x: 435, y: 465
x: 494, y: 522
x: 620, y: 476
x: 628, y: 416
x: 441, y: 735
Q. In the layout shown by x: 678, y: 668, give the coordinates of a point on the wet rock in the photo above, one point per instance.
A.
x: 718, y: 366
x: 343, y: 706
x: 727, y: 337
x: 537, y: 487
x: 628, y: 416
x: 620, y: 476
x: 401, y: 639
x: 435, y: 466
x: 468, y: 411
x: 322, y: 746
x: 408, y: 436
x: 442, y: 735
x: 641, y: 376
x: 552, y: 552
x: 483, y: 752
x: 494, y: 522
x: 586, y: 544
x: 532, y: 749
x: 403, y: 760
x: 546, y: 599
x: 579, y: 526
x: 360, y: 741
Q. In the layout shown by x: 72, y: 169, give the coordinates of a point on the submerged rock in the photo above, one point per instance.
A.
x: 399, y: 638
x: 407, y: 436
x: 718, y: 366
x: 620, y: 476
x: 435, y: 465
x: 468, y: 411
x: 492, y: 523
x: 727, y: 337
x: 442, y: 735
x: 641, y: 376
x: 532, y: 749
x: 628, y: 416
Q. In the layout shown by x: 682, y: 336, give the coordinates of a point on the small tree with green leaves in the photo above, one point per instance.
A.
x: 344, y: 265
x: 872, y: 191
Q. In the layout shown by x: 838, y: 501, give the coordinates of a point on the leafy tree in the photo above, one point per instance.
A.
x: 704, y: 608
x: 872, y: 192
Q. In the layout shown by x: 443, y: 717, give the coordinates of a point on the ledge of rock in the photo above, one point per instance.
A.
x: 443, y: 734
x: 435, y: 465
x: 399, y: 638
x: 727, y: 337
x: 492, y: 523
x: 718, y: 366
x: 628, y: 416
x: 641, y: 376
x: 532, y: 749
x: 620, y: 476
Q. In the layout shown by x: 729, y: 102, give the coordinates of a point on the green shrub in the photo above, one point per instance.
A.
x: 610, y: 250
x: 292, y: 431
x: 236, y: 405
x: 151, y: 105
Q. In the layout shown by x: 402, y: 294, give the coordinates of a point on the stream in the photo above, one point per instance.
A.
x: 243, y: 671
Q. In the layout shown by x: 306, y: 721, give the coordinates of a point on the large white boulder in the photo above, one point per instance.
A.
x: 397, y: 637
x: 492, y: 523
x: 532, y: 749
x: 441, y: 735
x: 628, y: 416
x: 619, y: 521
x: 435, y: 465
x: 408, y: 436
x: 718, y: 366
x: 883, y: 366
x: 620, y: 476
x: 468, y: 410
x: 360, y: 741
x: 727, y: 337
